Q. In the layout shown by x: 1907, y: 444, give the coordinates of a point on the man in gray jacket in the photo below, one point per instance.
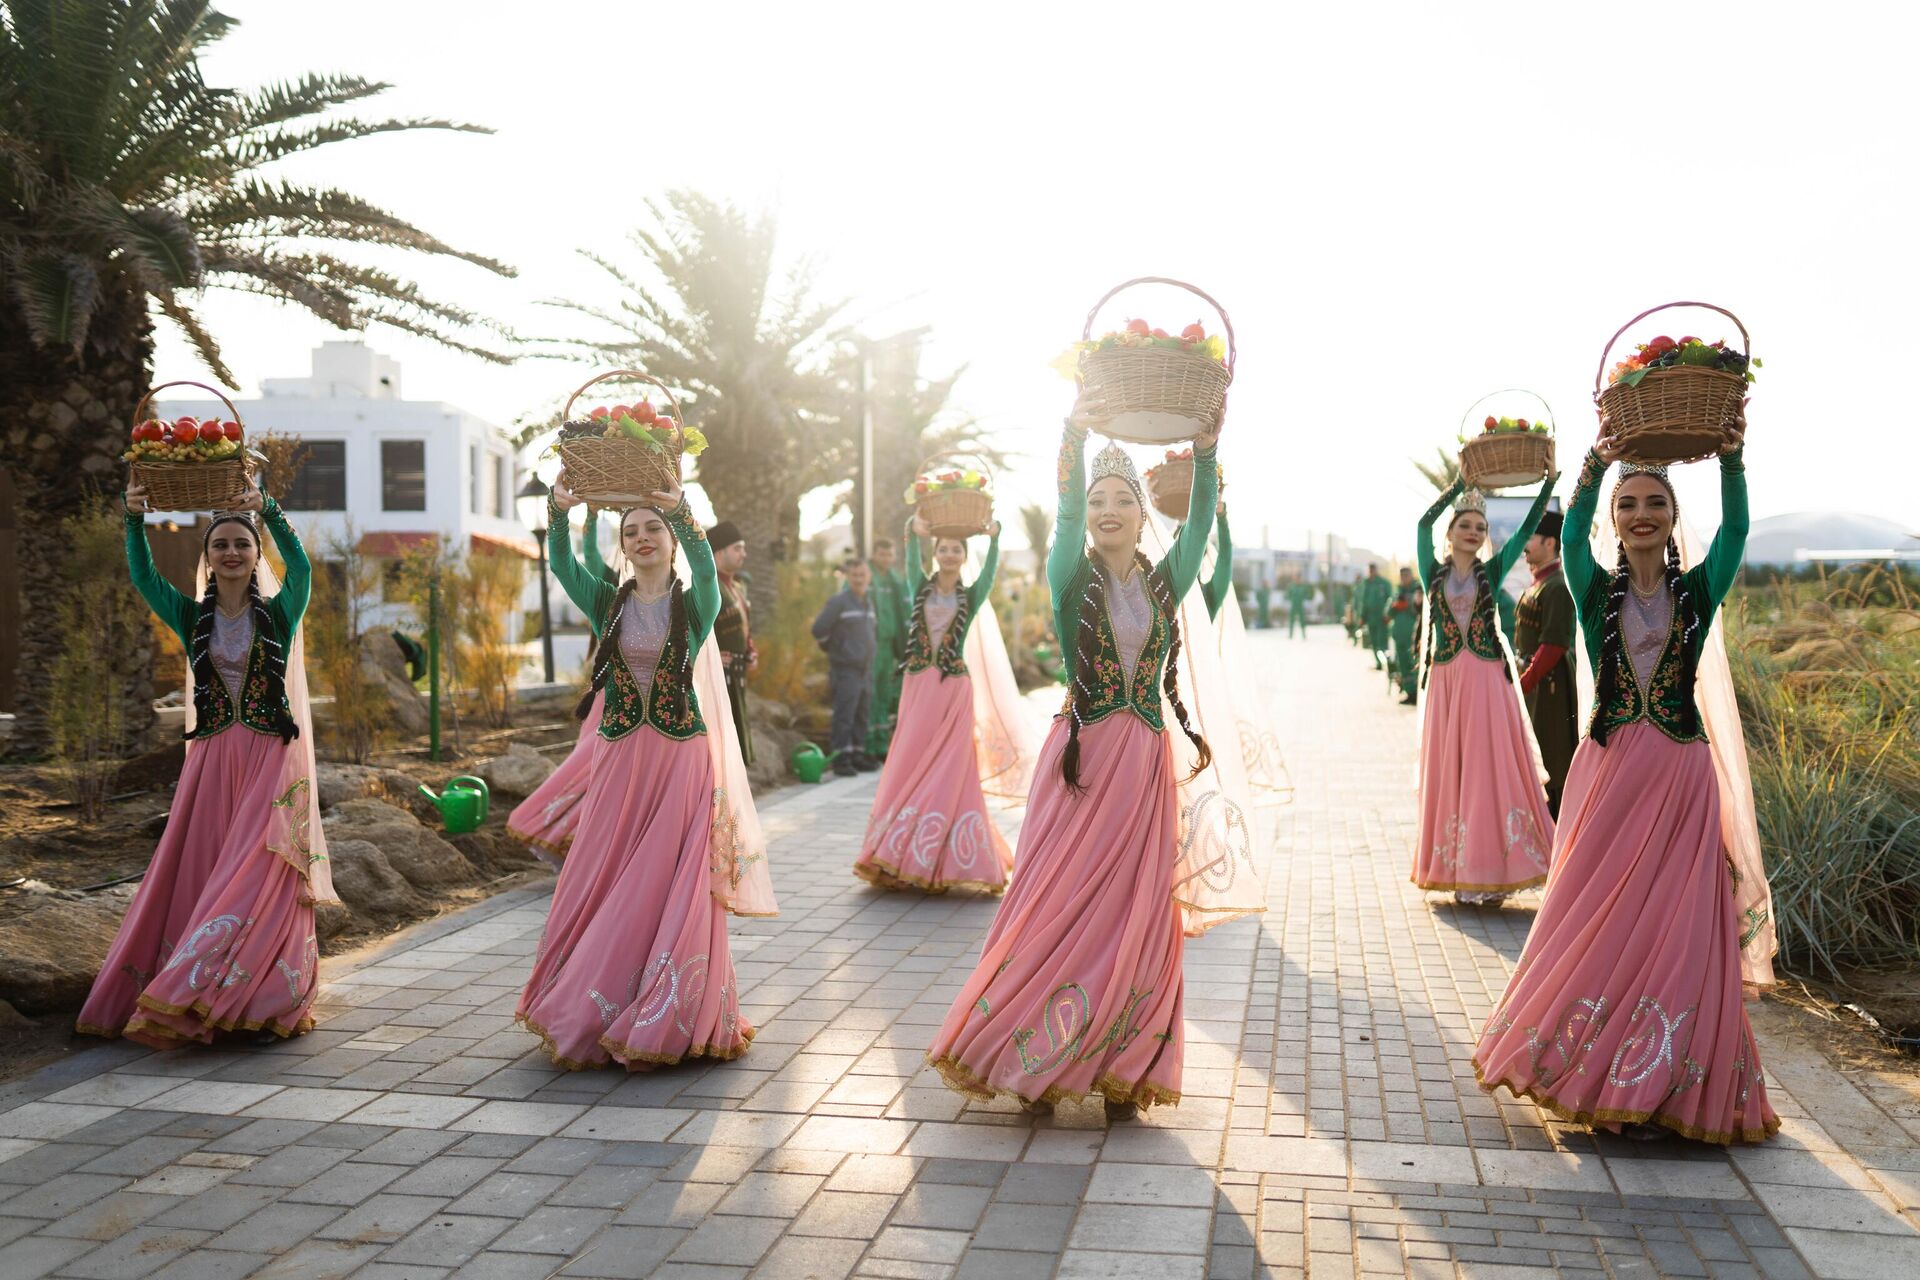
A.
x: 847, y: 630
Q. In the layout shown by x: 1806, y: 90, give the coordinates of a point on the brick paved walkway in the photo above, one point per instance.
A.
x: 1331, y: 1124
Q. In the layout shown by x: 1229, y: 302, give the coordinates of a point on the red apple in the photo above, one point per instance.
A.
x: 1161, y: 333
x: 1137, y: 326
x: 210, y: 431
x: 644, y: 411
x: 231, y: 430
x: 1194, y: 332
x: 599, y: 412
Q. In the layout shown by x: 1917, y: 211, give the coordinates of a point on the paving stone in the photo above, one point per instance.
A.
x: 729, y: 1242
x: 446, y: 1239
x: 628, y: 1253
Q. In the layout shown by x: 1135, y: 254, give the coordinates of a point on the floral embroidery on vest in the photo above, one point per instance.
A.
x: 1109, y: 687
x: 1664, y: 702
x: 1483, y: 636
x: 214, y: 709
x: 669, y: 704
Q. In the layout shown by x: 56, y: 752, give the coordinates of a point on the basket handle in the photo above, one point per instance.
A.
x: 1746, y: 343
x: 140, y: 410
x: 1468, y: 415
x: 1086, y: 330
x: 957, y: 454
x: 627, y: 375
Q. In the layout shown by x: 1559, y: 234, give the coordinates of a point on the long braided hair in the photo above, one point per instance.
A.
x: 917, y: 635
x: 273, y: 650
x: 676, y: 655
x: 1613, y: 640
x: 1093, y: 607
x: 1437, y: 599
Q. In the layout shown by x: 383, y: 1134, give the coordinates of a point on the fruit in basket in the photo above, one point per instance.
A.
x: 598, y: 412
x: 1138, y: 326
x: 1194, y: 332
x: 645, y: 411
x: 231, y: 430
x: 210, y: 431
x: 1492, y: 422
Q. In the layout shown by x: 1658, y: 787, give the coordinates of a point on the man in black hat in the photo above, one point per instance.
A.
x: 733, y: 629
x: 1543, y: 642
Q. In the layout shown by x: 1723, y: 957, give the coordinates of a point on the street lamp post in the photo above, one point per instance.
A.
x: 535, y: 487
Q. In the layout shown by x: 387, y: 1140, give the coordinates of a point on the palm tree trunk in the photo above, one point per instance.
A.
x: 64, y: 420
x: 751, y: 490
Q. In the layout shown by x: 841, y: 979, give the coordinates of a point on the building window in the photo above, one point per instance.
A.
x: 319, y: 480
x: 473, y: 479
x: 403, y: 475
x: 503, y: 487
x: 490, y: 487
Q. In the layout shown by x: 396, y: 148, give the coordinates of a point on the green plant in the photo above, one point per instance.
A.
x: 793, y: 669
x: 101, y: 627
x: 345, y: 583
x: 486, y: 587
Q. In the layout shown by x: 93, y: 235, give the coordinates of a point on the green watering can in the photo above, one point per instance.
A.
x: 808, y: 764
x: 463, y: 805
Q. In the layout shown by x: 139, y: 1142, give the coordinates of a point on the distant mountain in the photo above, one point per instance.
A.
x: 1779, y: 539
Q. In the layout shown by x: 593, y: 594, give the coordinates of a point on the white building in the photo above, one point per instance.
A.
x: 395, y: 471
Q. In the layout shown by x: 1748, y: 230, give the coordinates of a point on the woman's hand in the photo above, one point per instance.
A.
x: 1076, y: 430
x: 1736, y: 439
x: 993, y: 531
x: 1608, y: 448
x: 252, y: 499
x: 667, y: 499
x: 563, y: 497
x: 921, y: 529
x: 136, y: 499
x: 1207, y: 439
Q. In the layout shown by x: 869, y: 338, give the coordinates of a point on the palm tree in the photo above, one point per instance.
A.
x: 1440, y: 473
x: 127, y: 186
x: 1038, y: 523
x: 748, y: 356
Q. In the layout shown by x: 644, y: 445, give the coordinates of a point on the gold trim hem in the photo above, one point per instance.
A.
x: 1142, y: 1093
x: 1612, y: 1116
x: 629, y: 1059
x: 880, y: 876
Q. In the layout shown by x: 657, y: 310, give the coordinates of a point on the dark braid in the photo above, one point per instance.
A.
x: 273, y: 650
x: 1093, y: 606
x: 601, y: 663
x: 1613, y: 642
x: 1612, y: 646
x: 918, y: 639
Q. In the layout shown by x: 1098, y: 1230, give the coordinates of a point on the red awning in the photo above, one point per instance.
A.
x: 488, y: 544
x: 394, y: 544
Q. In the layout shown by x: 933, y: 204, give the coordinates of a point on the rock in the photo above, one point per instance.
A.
x: 517, y: 773
x: 156, y: 770
x: 495, y: 852
x: 340, y: 783
x: 11, y: 1019
x: 373, y: 891
x: 384, y: 666
x: 330, y: 918
x: 427, y: 861
x: 50, y: 953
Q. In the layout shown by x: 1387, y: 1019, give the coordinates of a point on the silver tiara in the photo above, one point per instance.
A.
x: 1471, y: 500
x: 1658, y: 470
x: 1113, y: 461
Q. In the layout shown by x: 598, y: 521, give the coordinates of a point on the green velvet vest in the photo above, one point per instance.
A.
x: 1482, y: 636
x: 1108, y: 686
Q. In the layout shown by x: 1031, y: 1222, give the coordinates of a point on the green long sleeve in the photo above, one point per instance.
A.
x: 916, y: 561
x: 1729, y: 549
x: 1182, y: 561
x: 1576, y: 530
x: 1068, y: 551
x: 289, y: 604
x: 1510, y: 550
x: 982, y: 586
x: 1222, y: 580
x: 168, y: 602
x: 591, y: 594
x: 590, y: 557
x: 703, y: 580
x: 1423, y: 535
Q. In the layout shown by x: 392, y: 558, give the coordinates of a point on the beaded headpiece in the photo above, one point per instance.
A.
x: 1113, y: 461
x: 1657, y: 470
x: 226, y: 517
x: 1472, y: 500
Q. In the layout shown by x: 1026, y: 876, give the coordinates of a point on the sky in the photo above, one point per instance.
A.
x: 1402, y: 206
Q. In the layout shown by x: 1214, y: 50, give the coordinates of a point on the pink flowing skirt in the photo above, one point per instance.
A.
x: 1078, y: 986
x: 545, y: 821
x: 1626, y: 1004
x: 1484, y: 824
x: 218, y: 937
x: 930, y: 828
x: 634, y: 964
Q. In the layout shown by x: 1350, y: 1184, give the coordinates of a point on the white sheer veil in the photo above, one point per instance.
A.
x: 1720, y: 717
x: 295, y: 831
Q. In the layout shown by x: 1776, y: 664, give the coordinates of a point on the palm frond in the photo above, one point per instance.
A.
x: 203, y: 341
x: 255, y: 150
x: 287, y: 212
x: 56, y: 294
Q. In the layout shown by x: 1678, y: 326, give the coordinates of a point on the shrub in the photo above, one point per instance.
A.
x: 345, y: 582
x: 104, y: 646
x: 793, y: 668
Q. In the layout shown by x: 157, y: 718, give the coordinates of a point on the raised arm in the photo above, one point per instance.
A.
x: 916, y: 564
x: 1423, y: 537
x: 703, y: 581
x: 1182, y: 561
x: 1510, y: 550
x: 590, y: 557
x: 1070, y: 517
x: 590, y: 594
x: 982, y: 586
x: 290, y: 604
x: 1729, y: 547
x: 1222, y: 580
x: 1576, y: 530
x: 167, y: 601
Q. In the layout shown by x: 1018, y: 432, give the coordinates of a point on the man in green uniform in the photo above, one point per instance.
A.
x: 1403, y: 617
x: 1375, y: 592
x: 1297, y: 607
x: 892, y: 607
x: 1543, y: 643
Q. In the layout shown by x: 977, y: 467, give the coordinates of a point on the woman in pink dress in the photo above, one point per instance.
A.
x: 930, y: 828
x: 1078, y: 987
x: 1485, y: 831
x: 1625, y: 1010
x: 634, y: 965
x: 545, y: 821
x: 220, y: 935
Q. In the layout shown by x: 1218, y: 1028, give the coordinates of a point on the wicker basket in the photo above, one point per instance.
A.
x: 1679, y: 414
x: 1170, y: 486
x: 1506, y: 459
x: 956, y: 513
x: 1153, y: 395
x: 615, y: 472
x: 190, y: 486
